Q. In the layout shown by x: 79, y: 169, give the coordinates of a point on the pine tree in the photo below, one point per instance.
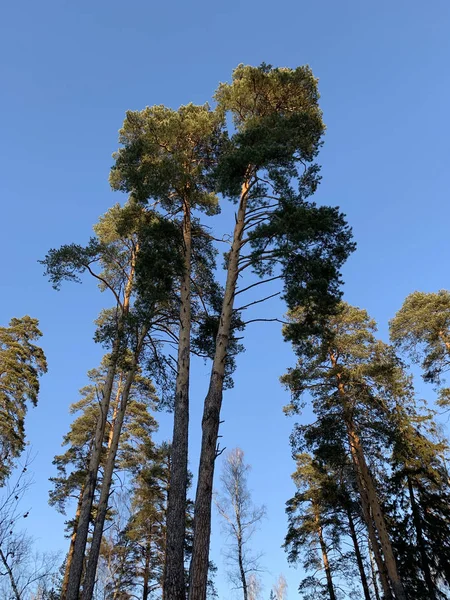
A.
x: 73, y: 463
x: 355, y: 381
x: 126, y: 238
x: 422, y: 329
x: 278, y: 127
x: 21, y: 365
x: 166, y: 159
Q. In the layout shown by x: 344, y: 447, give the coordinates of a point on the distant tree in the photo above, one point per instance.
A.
x: 21, y: 365
x: 25, y: 573
x: 355, y: 382
x: 127, y: 239
x: 279, y: 589
x: 422, y: 329
x: 138, y: 426
x: 240, y: 519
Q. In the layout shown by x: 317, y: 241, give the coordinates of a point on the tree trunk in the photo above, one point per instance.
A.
x: 146, y: 576
x: 365, y: 477
x: 198, y: 574
x: 421, y: 542
x: 359, y: 559
x: 10, y: 575
x: 174, y: 583
x: 241, y: 568
x: 374, y: 574
x: 79, y: 548
x: 102, y: 509
x: 72, y: 543
x: 325, y: 560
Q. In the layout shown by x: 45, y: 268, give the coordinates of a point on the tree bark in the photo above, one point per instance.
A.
x: 72, y: 543
x: 374, y: 574
x: 326, y: 563
x: 421, y: 542
x: 241, y: 567
x: 146, y: 576
x: 359, y: 559
x: 198, y: 575
x: 10, y: 575
x: 174, y: 583
x: 102, y: 509
x: 79, y: 548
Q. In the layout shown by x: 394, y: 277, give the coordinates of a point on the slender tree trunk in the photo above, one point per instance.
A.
x: 325, y: 560
x: 374, y: 574
x: 241, y: 567
x: 79, y: 549
x: 115, y: 409
x: 421, y: 542
x: 72, y: 544
x: 375, y: 546
x: 174, y: 583
x: 10, y: 575
x: 198, y: 575
x: 359, y: 559
x: 102, y: 509
x: 79, y: 546
x: 146, y: 576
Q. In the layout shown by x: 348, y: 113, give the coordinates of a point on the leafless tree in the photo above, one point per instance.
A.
x: 24, y: 572
x: 280, y: 588
x: 241, y: 518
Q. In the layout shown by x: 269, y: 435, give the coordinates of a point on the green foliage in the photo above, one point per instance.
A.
x: 21, y: 365
x: 168, y: 154
x: 422, y: 329
x: 278, y: 121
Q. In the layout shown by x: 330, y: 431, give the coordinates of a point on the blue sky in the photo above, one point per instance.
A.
x: 70, y: 70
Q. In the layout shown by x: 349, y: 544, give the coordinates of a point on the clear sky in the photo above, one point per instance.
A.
x: 70, y: 70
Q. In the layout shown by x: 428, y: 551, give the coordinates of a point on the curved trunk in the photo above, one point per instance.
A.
x: 174, y: 583
x: 359, y: 559
x: 198, y: 574
x: 102, y: 509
